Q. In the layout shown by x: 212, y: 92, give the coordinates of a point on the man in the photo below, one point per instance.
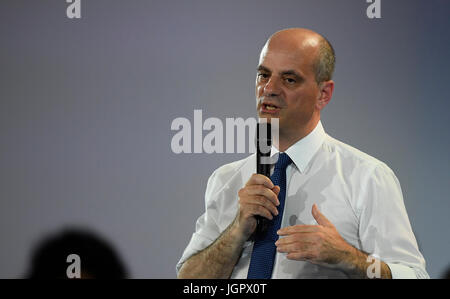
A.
x: 334, y: 211
x: 98, y: 259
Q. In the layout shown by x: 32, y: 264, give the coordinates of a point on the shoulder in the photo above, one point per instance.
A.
x: 363, y: 172
x: 230, y: 169
x: 352, y: 157
x: 369, y: 180
x: 227, y: 173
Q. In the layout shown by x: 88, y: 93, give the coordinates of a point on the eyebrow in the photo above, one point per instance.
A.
x: 262, y: 68
x: 283, y: 73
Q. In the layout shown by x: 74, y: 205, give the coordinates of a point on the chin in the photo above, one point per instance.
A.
x: 268, y: 117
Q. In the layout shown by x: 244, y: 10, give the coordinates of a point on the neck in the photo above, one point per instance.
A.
x: 287, y: 139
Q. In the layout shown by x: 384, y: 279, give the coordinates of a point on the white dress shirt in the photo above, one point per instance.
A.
x: 359, y: 194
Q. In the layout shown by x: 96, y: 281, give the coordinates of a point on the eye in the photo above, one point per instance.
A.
x: 290, y: 80
x: 263, y: 75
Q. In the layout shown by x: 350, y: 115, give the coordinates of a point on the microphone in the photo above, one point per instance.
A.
x: 263, y: 146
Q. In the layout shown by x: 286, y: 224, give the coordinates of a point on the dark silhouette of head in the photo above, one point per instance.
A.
x: 446, y: 273
x: 97, y: 257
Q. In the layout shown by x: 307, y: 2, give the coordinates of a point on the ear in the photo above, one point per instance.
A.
x: 326, y: 89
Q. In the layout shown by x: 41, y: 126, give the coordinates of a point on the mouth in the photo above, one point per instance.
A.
x: 269, y: 108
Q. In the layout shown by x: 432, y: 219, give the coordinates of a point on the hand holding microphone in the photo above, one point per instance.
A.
x: 263, y: 147
x: 258, y: 199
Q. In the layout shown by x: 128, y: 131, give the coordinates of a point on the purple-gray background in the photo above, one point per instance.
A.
x: 86, y: 108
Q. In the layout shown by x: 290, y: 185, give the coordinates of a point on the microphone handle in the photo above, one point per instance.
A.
x: 264, y: 169
x: 262, y: 222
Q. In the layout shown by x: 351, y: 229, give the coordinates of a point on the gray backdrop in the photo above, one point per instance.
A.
x: 86, y: 108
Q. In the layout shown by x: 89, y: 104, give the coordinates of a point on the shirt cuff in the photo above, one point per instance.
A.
x: 399, y: 271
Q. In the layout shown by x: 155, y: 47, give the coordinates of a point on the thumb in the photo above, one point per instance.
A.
x: 320, y: 218
x: 276, y: 190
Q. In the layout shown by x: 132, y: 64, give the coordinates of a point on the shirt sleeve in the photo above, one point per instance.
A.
x: 206, y: 228
x: 384, y: 227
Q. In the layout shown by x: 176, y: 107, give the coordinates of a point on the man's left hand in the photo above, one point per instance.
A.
x: 319, y: 244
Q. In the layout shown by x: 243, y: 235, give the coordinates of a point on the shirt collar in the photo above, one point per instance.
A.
x: 303, y: 150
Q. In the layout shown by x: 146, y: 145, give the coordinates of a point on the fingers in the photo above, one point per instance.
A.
x: 259, y: 179
x: 315, y: 243
x: 263, y: 202
x: 301, y: 244
x: 260, y: 190
x: 297, y: 229
x: 256, y: 202
x: 276, y: 190
x: 259, y: 197
x: 294, y: 247
x: 301, y: 247
x: 254, y: 210
x: 308, y: 236
x: 320, y: 218
x: 302, y: 256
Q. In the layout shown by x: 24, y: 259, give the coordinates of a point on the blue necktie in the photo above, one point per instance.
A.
x: 264, y: 249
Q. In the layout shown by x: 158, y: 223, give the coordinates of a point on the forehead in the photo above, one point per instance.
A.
x: 279, y: 59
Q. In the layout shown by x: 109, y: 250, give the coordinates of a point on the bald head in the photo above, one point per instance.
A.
x: 309, y: 44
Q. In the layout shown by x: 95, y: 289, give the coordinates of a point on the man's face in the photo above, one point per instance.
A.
x: 286, y: 87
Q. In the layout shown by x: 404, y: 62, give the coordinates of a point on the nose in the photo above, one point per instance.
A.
x: 271, y: 88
